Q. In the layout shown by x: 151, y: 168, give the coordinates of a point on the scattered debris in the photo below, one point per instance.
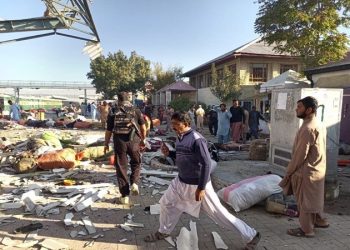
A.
x: 68, y: 219
x: 88, y: 225
x: 126, y: 228
x: 188, y: 240
x: 155, y: 209
x: 219, y: 243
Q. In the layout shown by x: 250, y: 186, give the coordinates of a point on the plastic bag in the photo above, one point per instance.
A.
x: 248, y: 192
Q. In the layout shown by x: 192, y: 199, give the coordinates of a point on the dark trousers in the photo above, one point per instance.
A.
x: 121, y: 150
x: 254, y: 131
x: 213, y: 127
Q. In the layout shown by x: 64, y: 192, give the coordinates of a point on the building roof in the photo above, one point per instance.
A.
x: 289, y: 79
x: 177, y: 86
x: 253, y: 48
x: 343, y: 64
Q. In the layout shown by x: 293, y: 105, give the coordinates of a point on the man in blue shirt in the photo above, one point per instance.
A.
x: 192, y: 189
x: 224, y: 117
x: 15, y: 111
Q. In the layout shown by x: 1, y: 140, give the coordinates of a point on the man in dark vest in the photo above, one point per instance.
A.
x: 127, y: 125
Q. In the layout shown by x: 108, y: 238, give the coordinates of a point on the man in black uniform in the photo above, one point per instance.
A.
x: 127, y: 125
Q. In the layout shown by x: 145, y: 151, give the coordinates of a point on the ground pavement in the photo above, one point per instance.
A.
x: 106, y: 215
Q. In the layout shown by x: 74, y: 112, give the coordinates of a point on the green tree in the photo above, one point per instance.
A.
x: 181, y: 104
x: 118, y: 72
x: 305, y: 28
x: 225, y: 87
x: 164, y: 77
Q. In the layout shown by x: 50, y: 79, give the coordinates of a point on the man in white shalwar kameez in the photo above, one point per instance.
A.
x: 192, y: 190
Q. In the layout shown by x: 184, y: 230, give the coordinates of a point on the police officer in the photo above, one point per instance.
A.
x: 127, y: 125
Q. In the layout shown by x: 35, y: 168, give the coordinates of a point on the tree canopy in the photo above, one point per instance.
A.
x: 226, y: 86
x: 305, y: 28
x: 164, y: 77
x: 118, y: 72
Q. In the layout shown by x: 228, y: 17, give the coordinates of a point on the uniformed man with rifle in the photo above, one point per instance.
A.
x: 125, y: 122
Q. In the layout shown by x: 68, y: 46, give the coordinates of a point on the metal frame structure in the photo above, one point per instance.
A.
x: 74, y: 15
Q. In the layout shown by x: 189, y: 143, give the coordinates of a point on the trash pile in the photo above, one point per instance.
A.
x: 48, y: 173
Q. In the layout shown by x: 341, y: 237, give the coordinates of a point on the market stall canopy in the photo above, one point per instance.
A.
x: 178, y: 86
x: 289, y: 79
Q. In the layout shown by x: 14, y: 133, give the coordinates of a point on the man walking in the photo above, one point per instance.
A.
x: 305, y: 174
x: 254, y: 117
x: 127, y: 125
x: 192, y: 189
x: 224, y: 117
x: 237, y: 120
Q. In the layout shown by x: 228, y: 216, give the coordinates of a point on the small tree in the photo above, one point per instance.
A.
x: 181, y: 104
x: 227, y: 87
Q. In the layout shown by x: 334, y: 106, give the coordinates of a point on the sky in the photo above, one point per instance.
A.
x: 184, y: 33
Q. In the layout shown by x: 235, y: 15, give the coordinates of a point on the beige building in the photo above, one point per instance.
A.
x: 254, y: 63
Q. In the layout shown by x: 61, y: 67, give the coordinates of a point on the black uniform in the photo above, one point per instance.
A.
x: 126, y: 142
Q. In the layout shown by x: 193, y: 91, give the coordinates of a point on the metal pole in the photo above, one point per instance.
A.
x: 85, y: 96
x: 17, y: 95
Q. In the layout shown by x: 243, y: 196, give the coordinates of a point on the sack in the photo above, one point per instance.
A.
x: 25, y: 163
x: 82, y: 125
x: 51, y: 139
x: 248, y: 192
x: 64, y: 158
x: 91, y: 153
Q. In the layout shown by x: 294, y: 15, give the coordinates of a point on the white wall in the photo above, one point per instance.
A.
x: 206, y: 96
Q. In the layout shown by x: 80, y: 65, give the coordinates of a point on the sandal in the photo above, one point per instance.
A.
x: 251, y: 245
x: 298, y: 232
x: 321, y: 226
x: 155, y: 236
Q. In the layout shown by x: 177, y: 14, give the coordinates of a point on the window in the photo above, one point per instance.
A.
x: 232, y: 68
x: 286, y: 67
x: 209, y: 79
x: 220, y: 73
x: 200, y: 81
x: 258, y: 72
x: 193, y: 81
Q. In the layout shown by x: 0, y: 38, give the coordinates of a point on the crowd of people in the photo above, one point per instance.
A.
x: 192, y: 191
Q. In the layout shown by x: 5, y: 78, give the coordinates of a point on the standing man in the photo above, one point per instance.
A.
x: 245, y: 127
x: 237, y: 120
x: 200, y: 117
x: 305, y: 174
x: 254, y: 117
x: 213, y: 121
x: 192, y: 189
x: 127, y: 125
x: 224, y: 117
x: 93, y: 109
x: 15, y: 111
x: 104, y: 109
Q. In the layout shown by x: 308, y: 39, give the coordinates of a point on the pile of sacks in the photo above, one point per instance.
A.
x: 46, y: 152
